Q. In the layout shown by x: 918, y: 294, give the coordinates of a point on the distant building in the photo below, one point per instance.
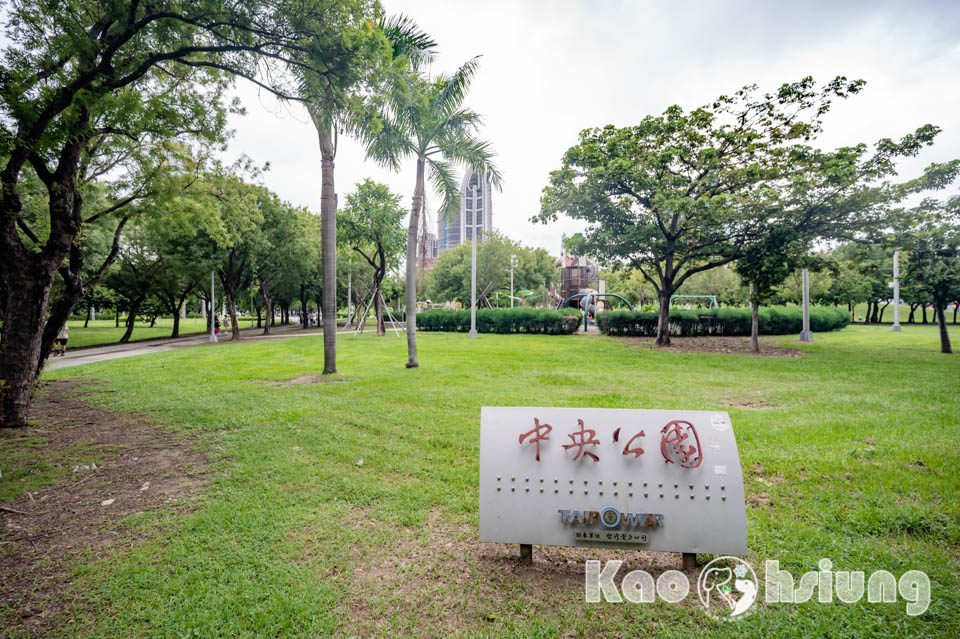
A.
x: 475, y: 216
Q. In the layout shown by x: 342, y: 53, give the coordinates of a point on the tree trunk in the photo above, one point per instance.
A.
x: 924, y: 313
x: 131, y: 321
x: 412, y: 267
x: 268, y: 306
x: 86, y: 321
x: 378, y: 307
x: 235, y: 325
x: 940, y: 303
x: 913, y: 309
x: 116, y: 316
x: 755, y: 318
x: 26, y: 308
x: 956, y: 306
x: 176, y: 325
x: 259, y: 321
x: 663, y: 319
x: 153, y: 320
x: 882, y: 309
x: 328, y: 248
x: 304, y: 314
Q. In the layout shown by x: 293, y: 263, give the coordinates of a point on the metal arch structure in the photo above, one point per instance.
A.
x: 579, y: 295
x: 712, y: 298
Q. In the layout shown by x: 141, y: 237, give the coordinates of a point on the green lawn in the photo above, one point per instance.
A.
x: 104, y: 332
x: 294, y: 539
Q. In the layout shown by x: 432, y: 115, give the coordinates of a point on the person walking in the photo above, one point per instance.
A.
x: 62, y: 338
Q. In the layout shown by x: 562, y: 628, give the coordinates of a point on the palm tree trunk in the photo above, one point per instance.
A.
x: 328, y: 244
x: 412, y: 267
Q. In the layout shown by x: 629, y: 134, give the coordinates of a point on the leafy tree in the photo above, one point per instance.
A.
x: 284, y: 253
x: 134, y: 279
x: 372, y: 227
x: 430, y: 124
x: 676, y: 194
x: 931, y: 234
x: 77, y: 75
x: 449, y: 280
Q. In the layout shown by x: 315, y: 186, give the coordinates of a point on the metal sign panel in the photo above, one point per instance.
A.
x: 665, y: 480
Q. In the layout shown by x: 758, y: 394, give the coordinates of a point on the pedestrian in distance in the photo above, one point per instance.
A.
x: 62, y: 338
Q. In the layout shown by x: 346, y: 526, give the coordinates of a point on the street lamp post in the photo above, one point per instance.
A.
x: 807, y: 334
x: 213, y: 317
x: 473, y: 285
x: 513, y: 264
x: 895, y: 285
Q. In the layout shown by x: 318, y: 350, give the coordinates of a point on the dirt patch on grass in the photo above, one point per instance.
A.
x: 313, y: 378
x: 745, y: 402
x: 444, y: 582
x: 143, y: 467
x: 728, y: 345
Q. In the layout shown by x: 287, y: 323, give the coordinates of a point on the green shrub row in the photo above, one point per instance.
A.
x: 503, y: 320
x: 774, y: 320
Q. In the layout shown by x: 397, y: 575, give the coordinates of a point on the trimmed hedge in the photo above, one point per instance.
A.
x: 774, y: 320
x: 503, y: 320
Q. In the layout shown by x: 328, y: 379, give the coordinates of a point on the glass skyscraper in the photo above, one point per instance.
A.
x: 475, y: 215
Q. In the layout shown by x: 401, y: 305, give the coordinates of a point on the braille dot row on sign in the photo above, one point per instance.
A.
x: 586, y: 482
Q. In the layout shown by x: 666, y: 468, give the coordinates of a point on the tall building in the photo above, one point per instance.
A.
x: 475, y: 217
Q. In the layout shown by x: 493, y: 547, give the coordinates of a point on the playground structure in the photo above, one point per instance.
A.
x: 582, y: 288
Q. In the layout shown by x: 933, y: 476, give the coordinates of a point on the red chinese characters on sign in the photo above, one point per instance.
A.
x: 636, y: 451
x: 588, y: 437
x: 540, y: 432
x: 672, y: 439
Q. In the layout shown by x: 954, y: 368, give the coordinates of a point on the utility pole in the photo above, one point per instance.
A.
x: 213, y: 316
x: 807, y: 334
x: 895, y: 285
x: 513, y: 264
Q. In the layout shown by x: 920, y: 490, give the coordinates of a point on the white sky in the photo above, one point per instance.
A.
x: 550, y: 69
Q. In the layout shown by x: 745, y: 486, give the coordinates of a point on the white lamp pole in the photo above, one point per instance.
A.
x: 473, y: 285
x: 513, y: 263
x: 896, y: 291
x: 807, y: 334
x: 213, y: 315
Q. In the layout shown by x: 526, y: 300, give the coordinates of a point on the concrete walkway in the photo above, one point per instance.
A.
x: 106, y: 352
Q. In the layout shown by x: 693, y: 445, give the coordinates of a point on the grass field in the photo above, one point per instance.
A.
x: 294, y: 538
x: 104, y: 332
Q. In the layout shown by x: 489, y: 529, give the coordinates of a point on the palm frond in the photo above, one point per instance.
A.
x: 454, y: 87
x: 444, y: 182
x: 408, y: 40
x: 469, y: 151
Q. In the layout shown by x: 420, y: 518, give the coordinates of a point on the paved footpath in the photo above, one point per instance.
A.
x: 79, y: 356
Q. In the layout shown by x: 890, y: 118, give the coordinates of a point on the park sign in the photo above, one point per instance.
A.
x: 667, y: 480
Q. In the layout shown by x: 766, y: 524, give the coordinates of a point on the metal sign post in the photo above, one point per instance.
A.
x: 663, y: 480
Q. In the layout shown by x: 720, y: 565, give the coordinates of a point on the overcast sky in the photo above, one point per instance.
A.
x: 550, y: 69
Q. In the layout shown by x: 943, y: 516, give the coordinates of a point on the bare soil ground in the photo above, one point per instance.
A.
x: 445, y: 581
x: 734, y: 345
x: 144, y: 468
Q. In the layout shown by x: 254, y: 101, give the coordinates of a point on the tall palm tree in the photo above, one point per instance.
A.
x: 430, y: 124
x: 330, y: 114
